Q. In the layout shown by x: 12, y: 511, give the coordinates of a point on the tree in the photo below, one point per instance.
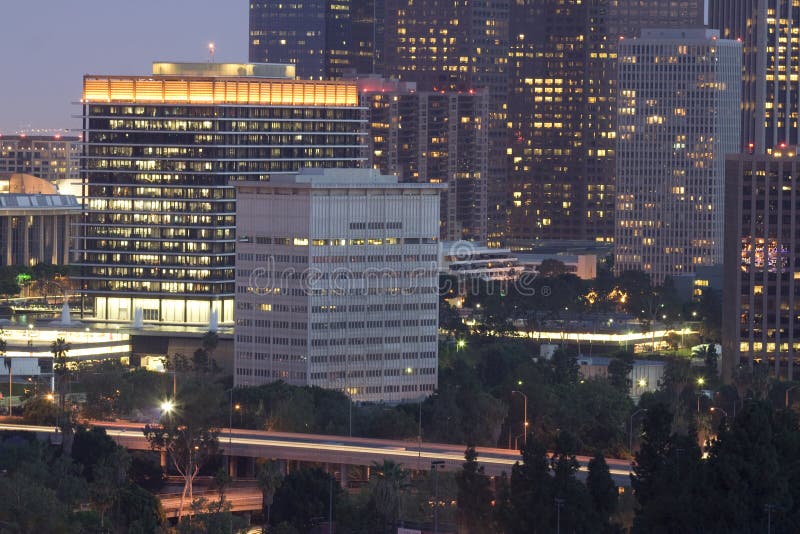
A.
x: 619, y: 371
x: 389, y: 479
x: 552, y: 268
x: 188, y: 435
x: 601, y: 487
x: 474, y: 497
x: 565, y: 366
x: 303, y: 498
x: 531, y: 491
x: 59, y: 348
x: 269, y: 478
x: 40, y: 411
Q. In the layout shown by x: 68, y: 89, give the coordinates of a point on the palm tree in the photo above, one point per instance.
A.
x: 59, y: 348
x: 270, y: 479
x: 390, y: 479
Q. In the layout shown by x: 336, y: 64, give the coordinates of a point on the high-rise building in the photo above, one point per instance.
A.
x: 677, y: 109
x: 761, y: 295
x: 54, y: 158
x: 768, y: 30
x: 340, y: 290
x: 315, y: 36
x: 562, y: 111
x: 457, y: 45
x: 436, y: 137
x: 160, y: 154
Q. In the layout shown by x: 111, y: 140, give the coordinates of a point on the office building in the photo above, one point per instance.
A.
x: 562, y: 111
x: 462, y: 46
x: 53, y: 158
x: 36, y: 223
x: 436, y: 137
x: 340, y: 290
x: 677, y: 117
x: 768, y: 30
x: 315, y: 36
x: 161, y: 152
x: 761, y: 296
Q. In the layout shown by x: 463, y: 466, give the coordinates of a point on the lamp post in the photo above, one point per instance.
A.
x: 630, y: 434
x: 524, y: 416
x: 787, y: 394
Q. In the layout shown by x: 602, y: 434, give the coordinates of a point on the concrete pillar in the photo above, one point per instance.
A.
x: 251, y: 467
x: 8, y: 251
x: 233, y: 466
x: 41, y: 251
x: 66, y: 244
x: 163, y: 458
x: 54, y: 239
x: 26, y: 241
x: 343, y: 478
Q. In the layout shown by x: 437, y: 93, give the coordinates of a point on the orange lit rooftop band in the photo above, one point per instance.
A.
x: 149, y: 89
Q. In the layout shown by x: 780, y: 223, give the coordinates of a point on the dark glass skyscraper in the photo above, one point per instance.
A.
x: 770, y: 35
x: 457, y: 45
x: 314, y: 35
x: 562, y: 110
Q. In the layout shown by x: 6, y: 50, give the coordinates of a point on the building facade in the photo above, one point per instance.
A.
x: 160, y: 154
x: 770, y: 39
x: 340, y: 290
x: 435, y: 137
x: 446, y: 45
x: 53, y: 158
x: 677, y: 117
x: 562, y: 111
x: 315, y: 36
x: 761, y: 296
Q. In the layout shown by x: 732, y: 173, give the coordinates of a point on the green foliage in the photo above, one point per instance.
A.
x: 45, y: 490
x: 619, y: 371
x: 474, y: 497
x: 40, y: 411
x: 303, y: 498
x: 601, y: 486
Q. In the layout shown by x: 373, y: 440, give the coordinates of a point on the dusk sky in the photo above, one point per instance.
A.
x: 48, y: 45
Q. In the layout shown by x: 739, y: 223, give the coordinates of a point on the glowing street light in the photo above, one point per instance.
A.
x: 701, y: 381
x: 167, y: 406
x: 461, y: 344
x: 642, y: 383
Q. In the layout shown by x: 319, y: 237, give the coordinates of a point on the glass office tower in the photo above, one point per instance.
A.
x: 161, y: 152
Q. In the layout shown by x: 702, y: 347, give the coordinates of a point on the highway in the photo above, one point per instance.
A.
x: 340, y: 449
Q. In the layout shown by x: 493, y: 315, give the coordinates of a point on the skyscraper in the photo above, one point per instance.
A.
x: 562, y: 110
x: 677, y: 107
x: 436, y: 137
x: 340, y: 290
x: 457, y: 45
x: 315, y: 36
x: 160, y: 154
x: 760, y: 298
x: 770, y: 39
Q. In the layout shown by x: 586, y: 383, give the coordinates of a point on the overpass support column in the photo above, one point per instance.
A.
x: 343, y: 478
x: 232, y: 466
x: 251, y: 467
x: 163, y: 458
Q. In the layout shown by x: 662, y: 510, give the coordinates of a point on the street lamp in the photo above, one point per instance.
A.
x: 167, y: 406
x: 524, y: 416
x: 630, y: 435
x: 787, y: 393
x: 701, y: 381
x: 461, y: 344
x: 715, y: 409
x: 642, y: 383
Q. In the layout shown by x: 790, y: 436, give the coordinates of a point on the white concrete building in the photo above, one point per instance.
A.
x: 336, y: 283
x: 678, y: 112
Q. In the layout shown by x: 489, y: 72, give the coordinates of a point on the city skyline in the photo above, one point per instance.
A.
x: 100, y: 38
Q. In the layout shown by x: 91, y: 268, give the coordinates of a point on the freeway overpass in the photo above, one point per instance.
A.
x: 338, y: 450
